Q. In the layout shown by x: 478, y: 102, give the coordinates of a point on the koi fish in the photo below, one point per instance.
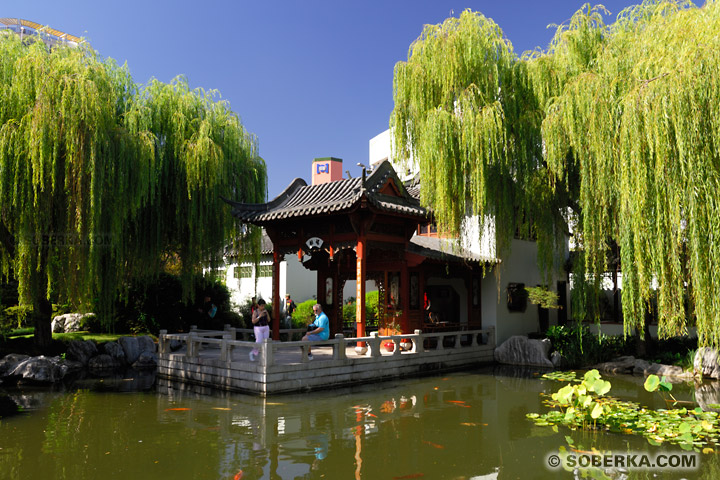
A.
x: 412, y: 475
x: 455, y: 401
x: 434, y: 445
x: 238, y: 475
x: 177, y: 409
x: 371, y: 415
x: 221, y: 408
x: 472, y: 424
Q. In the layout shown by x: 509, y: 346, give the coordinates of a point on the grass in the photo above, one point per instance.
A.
x: 21, y: 341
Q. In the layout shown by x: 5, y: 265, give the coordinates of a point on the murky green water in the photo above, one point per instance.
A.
x: 459, y: 426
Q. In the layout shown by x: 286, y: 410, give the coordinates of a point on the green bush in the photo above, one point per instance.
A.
x: 19, y: 316
x: 371, y: 310
x: 580, y: 347
x: 303, y: 315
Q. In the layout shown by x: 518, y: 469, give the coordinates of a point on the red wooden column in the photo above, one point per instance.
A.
x: 276, y: 295
x: 360, y: 278
x: 405, y: 299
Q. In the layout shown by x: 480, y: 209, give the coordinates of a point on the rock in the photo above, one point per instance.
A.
x: 102, y: 362
x: 519, y: 350
x: 70, y: 322
x: 82, y: 351
x: 58, y: 324
x: 558, y: 360
x: 146, y: 360
x: 624, y: 364
x: 672, y: 371
x: 10, y: 361
x: 40, y: 370
x: 706, y: 362
x: 131, y: 348
x: 146, y: 344
x: 115, y: 351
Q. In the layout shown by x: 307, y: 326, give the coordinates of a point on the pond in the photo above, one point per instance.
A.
x: 469, y: 425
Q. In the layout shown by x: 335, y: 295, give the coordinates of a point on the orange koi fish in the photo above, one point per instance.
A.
x: 455, y: 401
x: 371, y: 415
x: 434, y: 445
x: 238, y: 475
x: 412, y: 475
x: 177, y: 409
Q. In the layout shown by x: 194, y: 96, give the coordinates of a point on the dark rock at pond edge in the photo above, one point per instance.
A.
x: 10, y: 361
x: 115, y: 351
x: 134, y: 346
x: 637, y: 366
x: 146, y: 360
x: 519, y: 350
x: 81, y: 350
x: 88, y: 358
x: 42, y: 370
x: 102, y: 362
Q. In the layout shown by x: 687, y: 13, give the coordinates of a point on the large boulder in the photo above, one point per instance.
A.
x: 102, y: 362
x: 146, y: 360
x: 81, y: 350
x: 519, y: 350
x: 115, y: 351
x: 10, y: 361
x: 39, y: 370
x: 146, y: 344
x: 131, y: 348
x: 706, y: 362
x: 70, y: 322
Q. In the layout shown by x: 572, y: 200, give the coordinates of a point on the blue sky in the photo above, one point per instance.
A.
x: 309, y: 78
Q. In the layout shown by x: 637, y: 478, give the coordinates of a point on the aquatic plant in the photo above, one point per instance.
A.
x: 585, y: 405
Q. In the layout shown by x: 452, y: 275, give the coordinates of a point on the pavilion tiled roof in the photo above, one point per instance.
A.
x: 302, y: 200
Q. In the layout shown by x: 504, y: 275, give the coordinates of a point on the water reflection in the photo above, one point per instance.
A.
x: 461, y: 426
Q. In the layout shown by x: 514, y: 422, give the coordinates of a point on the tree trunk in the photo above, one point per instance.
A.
x: 42, y: 313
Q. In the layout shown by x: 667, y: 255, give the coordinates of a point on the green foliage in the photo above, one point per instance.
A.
x: 585, y: 406
x: 371, y: 309
x: 542, y: 297
x: 303, y: 314
x: 580, y: 347
x: 103, y: 181
x: 614, y: 129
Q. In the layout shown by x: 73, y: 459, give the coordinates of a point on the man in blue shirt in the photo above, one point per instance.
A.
x: 322, y: 328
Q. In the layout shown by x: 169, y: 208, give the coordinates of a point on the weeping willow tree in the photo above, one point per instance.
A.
x: 101, y: 181
x: 466, y: 113
x: 617, y: 122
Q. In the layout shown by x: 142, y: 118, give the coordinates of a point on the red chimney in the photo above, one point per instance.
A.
x: 326, y: 169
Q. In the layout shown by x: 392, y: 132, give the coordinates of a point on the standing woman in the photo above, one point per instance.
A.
x: 261, y: 325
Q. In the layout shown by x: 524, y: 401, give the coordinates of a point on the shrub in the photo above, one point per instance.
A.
x: 371, y: 309
x: 580, y: 347
x: 303, y: 315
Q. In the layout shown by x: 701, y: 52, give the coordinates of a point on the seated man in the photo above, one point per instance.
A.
x: 321, y: 330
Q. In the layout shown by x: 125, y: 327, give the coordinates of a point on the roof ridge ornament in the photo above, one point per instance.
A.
x: 364, y: 176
